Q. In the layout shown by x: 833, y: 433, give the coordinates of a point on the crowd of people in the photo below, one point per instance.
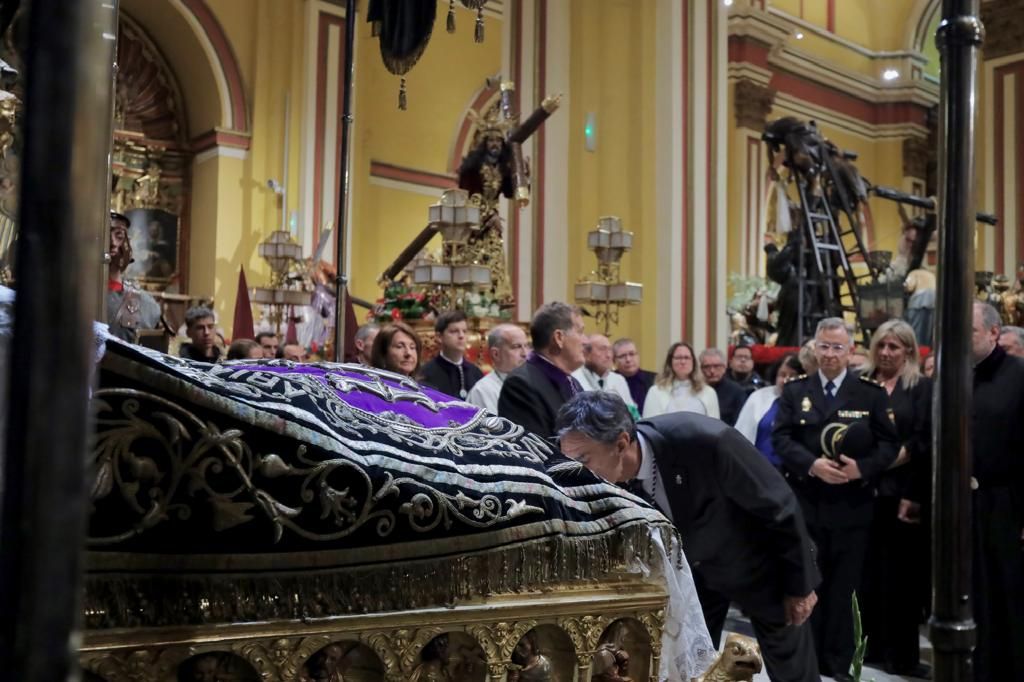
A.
x: 792, y: 491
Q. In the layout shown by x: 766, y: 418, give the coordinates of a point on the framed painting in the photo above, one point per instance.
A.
x: 154, y: 234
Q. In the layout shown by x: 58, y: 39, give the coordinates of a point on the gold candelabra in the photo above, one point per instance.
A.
x: 603, y: 288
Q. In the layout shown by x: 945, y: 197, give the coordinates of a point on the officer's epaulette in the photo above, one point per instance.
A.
x: 864, y: 377
x: 798, y: 377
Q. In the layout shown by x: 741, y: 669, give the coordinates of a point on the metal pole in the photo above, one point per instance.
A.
x: 951, y: 627
x: 346, y: 182
x: 42, y: 511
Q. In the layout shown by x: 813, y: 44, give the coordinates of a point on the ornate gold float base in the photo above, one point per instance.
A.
x: 479, y: 642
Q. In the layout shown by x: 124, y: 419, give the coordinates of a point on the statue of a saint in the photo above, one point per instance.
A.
x: 533, y: 666
x: 433, y: 665
x: 129, y: 308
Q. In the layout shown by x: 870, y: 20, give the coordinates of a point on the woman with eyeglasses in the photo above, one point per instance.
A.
x: 758, y: 414
x: 894, y: 593
x: 680, y: 387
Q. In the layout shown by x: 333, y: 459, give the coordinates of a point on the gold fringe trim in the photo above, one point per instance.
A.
x: 146, y: 600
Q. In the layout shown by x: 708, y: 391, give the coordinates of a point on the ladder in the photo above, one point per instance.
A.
x: 830, y: 241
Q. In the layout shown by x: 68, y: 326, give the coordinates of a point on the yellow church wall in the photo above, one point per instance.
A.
x: 267, y: 37
x: 612, y: 73
x: 440, y: 89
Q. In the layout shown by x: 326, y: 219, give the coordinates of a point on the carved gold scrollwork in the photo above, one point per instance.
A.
x: 139, y: 665
x: 653, y: 622
x: 384, y: 645
x: 281, y: 658
x: 498, y: 640
x: 409, y: 643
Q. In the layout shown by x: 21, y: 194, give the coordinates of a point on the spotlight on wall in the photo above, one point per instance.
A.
x: 890, y: 74
x: 727, y: 3
x: 799, y: 35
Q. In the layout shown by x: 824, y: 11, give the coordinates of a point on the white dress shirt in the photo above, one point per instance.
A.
x: 838, y: 381
x: 646, y: 477
x: 613, y: 383
x: 486, y: 391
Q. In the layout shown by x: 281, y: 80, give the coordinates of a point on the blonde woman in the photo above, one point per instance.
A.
x: 894, y: 592
x: 680, y: 386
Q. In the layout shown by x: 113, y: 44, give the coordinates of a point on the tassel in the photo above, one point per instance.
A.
x: 451, y: 16
x: 478, y: 34
x: 401, y: 95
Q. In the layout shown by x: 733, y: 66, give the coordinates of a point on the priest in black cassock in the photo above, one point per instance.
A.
x: 450, y: 372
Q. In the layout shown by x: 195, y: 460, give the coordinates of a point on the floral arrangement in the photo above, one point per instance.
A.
x: 400, y: 303
x: 480, y: 305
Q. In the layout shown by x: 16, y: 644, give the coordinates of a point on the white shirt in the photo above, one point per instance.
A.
x: 486, y: 391
x: 681, y: 398
x: 838, y: 381
x: 646, y: 477
x: 759, y: 402
x: 613, y: 383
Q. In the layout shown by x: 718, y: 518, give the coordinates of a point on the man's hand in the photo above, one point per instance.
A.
x: 849, y: 467
x: 829, y: 471
x: 798, y: 609
x: 902, y: 458
x: 909, y: 512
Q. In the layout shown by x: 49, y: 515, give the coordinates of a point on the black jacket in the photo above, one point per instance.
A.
x: 189, y: 352
x: 796, y: 437
x: 731, y: 397
x: 528, y: 398
x: 998, y: 426
x: 444, y: 376
x: 741, y: 525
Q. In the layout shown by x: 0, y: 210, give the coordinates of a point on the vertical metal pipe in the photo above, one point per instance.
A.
x: 42, y: 511
x: 346, y: 181
x: 951, y: 627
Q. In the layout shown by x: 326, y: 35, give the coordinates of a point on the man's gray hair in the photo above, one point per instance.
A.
x: 366, y: 330
x: 832, y: 323
x: 548, y: 319
x: 620, y: 343
x: 196, y: 313
x: 496, y: 337
x: 989, y: 315
x: 711, y: 351
x: 1016, y: 331
x: 599, y: 415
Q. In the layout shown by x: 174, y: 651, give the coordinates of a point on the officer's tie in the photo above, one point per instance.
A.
x: 600, y: 384
x: 830, y: 396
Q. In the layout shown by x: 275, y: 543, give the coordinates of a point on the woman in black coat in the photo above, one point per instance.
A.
x: 895, y: 588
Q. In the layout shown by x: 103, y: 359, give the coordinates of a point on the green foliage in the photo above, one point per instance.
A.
x: 860, y: 641
x: 744, y: 288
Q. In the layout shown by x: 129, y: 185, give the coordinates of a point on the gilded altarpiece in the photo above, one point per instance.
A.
x: 150, y: 161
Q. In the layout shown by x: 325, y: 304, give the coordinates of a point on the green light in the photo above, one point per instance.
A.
x: 588, y: 131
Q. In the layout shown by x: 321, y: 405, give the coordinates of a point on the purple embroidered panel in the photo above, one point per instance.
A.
x: 378, y: 392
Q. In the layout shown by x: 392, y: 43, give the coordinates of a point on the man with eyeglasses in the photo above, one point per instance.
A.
x: 730, y: 395
x: 627, y: 363
x: 834, y: 434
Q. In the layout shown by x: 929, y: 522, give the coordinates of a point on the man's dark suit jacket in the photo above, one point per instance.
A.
x: 796, y: 437
x: 731, y: 397
x: 528, y: 398
x: 742, y: 527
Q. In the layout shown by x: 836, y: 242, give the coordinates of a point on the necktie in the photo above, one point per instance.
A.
x: 600, y: 384
x: 829, y: 395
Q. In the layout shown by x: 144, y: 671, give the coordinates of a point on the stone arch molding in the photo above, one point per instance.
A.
x: 196, y: 47
x: 921, y: 17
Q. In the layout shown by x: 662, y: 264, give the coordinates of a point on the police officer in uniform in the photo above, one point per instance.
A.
x: 835, y: 435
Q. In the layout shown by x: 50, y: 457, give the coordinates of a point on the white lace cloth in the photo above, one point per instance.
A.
x: 686, y: 648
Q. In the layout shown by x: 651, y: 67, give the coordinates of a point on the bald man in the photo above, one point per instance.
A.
x: 507, y: 348
x: 597, y: 374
